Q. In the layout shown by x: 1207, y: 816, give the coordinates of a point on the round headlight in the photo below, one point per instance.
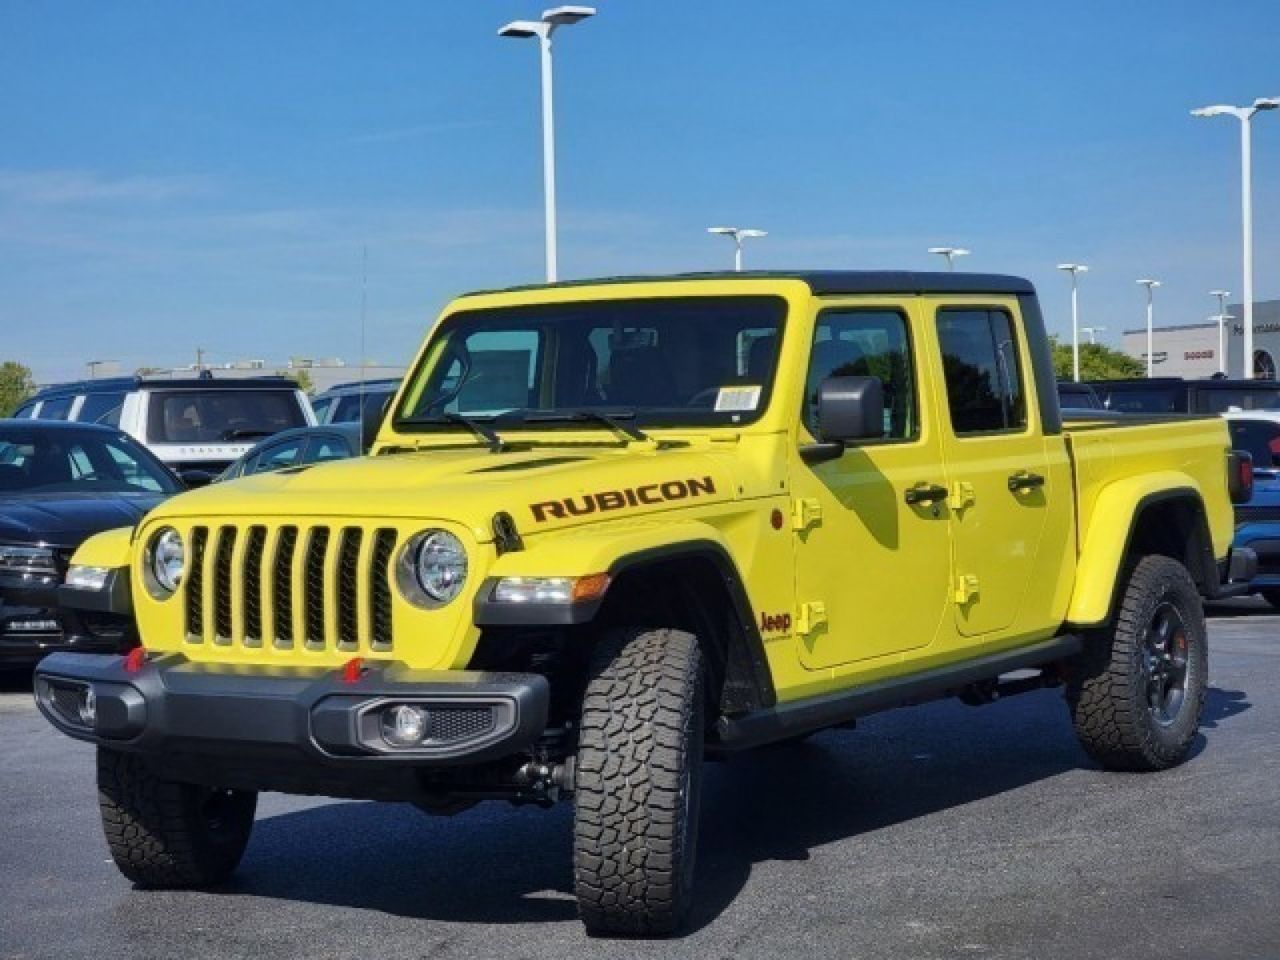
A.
x: 168, y: 559
x: 433, y: 568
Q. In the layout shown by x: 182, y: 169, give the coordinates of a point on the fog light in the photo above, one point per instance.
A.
x: 88, y: 707
x: 404, y: 725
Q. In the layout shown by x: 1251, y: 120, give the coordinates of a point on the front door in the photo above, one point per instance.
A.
x: 871, y: 569
x: 997, y: 467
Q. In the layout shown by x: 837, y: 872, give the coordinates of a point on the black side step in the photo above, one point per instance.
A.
x: 829, y: 710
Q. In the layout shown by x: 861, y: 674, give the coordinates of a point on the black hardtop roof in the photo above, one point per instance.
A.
x: 118, y: 384
x: 824, y: 281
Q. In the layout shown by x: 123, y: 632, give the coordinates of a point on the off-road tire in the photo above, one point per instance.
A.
x: 1272, y: 596
x: 638, y: 782
x: 168, y: 835
x: 1109, y: 688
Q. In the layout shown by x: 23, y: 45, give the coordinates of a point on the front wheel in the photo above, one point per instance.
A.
x: 638, y: 782
x: 165, y: 835
x: 1137, y: 689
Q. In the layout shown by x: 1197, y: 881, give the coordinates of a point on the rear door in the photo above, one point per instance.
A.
x: 996, y: 465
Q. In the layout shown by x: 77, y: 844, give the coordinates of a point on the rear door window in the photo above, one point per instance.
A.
x: 101, y: 408
x: 980, y: 364
x: 57, y: 408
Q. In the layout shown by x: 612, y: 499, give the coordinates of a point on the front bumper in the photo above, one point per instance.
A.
x: 294, y: 729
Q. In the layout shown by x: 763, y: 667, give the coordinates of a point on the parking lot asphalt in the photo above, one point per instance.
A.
x: 941, y: 831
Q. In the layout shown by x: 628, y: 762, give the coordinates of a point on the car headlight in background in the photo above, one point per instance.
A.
x: 432, y: 568
x: 166, y: 562
x: 81, y: 577
x: 37, y: 561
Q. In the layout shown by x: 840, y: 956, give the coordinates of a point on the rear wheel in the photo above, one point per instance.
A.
x: 1137, y: 689
x: 165, y: 834
x: 638, y: 782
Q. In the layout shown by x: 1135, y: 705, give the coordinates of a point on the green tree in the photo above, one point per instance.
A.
x: 1097, y: 362
x: 15, y: 386
x: 301, y: 376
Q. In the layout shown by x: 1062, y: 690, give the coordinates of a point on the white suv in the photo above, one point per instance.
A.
x: 197, y: 426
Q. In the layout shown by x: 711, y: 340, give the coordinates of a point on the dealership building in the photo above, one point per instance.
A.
x: 1192, y: 350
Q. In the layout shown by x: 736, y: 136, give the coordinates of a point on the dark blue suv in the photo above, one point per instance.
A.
x: 1258, y: 521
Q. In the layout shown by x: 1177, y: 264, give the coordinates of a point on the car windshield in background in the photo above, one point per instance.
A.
x: 686, y: 361
x: 1144, y: 400
x: 1261, y: 438
x: 1222, y: 399
x: 220, y: 416
x: 69, y: 461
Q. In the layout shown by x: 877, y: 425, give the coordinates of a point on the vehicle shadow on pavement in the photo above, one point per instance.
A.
x: 1222, y: 705
x: 495, y: 864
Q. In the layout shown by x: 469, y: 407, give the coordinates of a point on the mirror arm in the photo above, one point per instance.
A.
x: 812, y: 453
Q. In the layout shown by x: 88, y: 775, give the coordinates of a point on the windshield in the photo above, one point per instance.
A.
x: 70, y: 461
x: 220, y: 416
x: 1141, y: 400
x: 659, y: 362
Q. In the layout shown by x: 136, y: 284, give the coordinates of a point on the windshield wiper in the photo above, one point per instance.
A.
x: 487, y: 434
x: 611, y: 420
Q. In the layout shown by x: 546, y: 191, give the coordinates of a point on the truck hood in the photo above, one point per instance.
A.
x: 542, y: 489
x: 66, y: 519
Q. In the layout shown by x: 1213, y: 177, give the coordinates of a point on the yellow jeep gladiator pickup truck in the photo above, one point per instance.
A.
x: 610, y: 527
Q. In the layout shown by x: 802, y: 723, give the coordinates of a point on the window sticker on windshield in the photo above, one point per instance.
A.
x: 737, y: 399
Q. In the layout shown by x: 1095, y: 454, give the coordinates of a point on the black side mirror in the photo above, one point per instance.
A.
x: 191, y: 479
x: 850, y: 408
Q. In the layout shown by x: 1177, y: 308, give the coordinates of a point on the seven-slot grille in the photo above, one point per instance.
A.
x: 319, y: 587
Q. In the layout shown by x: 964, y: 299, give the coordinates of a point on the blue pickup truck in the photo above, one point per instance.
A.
x: 1258, y: 520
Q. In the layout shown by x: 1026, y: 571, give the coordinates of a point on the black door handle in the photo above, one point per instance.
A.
x: 924, y: 492
x: 1025, y: 480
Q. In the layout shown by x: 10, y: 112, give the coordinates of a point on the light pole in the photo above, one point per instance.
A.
x: 738, y: 234
x: 93, y: 366
x: 543, y: 29
x: 1151, y: 355
x: 1244, y: 115
x: 1222, y: 312
x: 1222, y: 319
x: 1075, y: 269
x: 1090, y: 331
x: 950, y: 253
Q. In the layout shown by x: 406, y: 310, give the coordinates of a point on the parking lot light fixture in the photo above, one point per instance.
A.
x: 738, y: 234
x: 1092, y: 332
x: 1245, y: 116
x: 950, y: 253
x: 1151, y: 356
x: 1222, y: 313
x: 1075, y: 269
x: 551, y: 20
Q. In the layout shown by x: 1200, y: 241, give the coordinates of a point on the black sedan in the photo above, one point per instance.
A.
x: 300, y: 446
x: 60, y: 483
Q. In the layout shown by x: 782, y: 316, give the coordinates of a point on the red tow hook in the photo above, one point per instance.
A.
x: 134, y: 660
x: 352, y: 670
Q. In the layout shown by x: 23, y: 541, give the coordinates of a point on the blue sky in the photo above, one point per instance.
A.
x: 174, y: 175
